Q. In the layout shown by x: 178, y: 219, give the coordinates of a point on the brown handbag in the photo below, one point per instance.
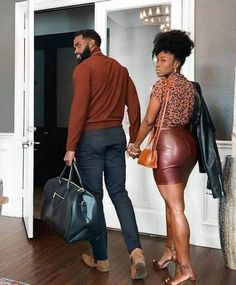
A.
x: 148, y: 156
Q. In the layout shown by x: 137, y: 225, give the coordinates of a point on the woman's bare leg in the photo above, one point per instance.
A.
x: 169, y: 253
x: 173, y: 195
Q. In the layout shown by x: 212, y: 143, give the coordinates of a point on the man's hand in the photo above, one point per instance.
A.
x: 68, y: 158
x: 133, y: 151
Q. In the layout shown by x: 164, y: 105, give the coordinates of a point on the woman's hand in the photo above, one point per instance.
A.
x: 133, y: 151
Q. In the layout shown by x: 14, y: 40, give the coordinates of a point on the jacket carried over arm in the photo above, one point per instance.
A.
x: 204, y: 130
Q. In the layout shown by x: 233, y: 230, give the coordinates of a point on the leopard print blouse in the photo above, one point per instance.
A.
x: 181, y: 100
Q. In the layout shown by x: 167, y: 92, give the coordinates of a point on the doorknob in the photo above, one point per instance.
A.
x: 27, y: 144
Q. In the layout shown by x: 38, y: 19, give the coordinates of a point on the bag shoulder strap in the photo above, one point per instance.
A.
x: 156, y: 135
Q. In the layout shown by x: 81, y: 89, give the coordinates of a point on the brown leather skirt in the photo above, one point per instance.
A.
x: 177, y: 155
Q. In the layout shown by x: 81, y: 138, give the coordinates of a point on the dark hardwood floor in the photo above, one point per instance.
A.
x: 48, y: 260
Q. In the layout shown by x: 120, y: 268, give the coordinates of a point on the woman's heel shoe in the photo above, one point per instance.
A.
x: 172, y: 258
x: 185, y: 274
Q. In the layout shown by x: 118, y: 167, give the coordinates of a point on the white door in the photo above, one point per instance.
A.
x: 129, y: 38
x: 28, y: 120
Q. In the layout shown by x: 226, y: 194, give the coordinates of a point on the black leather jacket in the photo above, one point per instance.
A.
x: 209, y: 160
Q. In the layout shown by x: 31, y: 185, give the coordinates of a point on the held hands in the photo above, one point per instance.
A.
x: 133, y: 151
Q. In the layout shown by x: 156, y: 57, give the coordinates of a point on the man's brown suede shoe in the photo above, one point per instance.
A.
x: 138, y: 266
x: 100, y: 265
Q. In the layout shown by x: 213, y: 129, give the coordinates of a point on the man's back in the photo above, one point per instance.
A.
x: 108, y: 83
x: 102, y: 88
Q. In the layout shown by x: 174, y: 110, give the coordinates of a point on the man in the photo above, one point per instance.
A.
x: 102, y: 88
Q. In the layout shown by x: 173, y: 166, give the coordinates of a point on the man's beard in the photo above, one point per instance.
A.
x: 84, y: 55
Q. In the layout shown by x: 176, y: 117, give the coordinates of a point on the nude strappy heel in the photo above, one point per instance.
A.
x: 172, y: 258
x: 185, y: 275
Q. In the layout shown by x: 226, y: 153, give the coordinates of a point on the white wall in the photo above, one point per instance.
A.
x: 134, y: 51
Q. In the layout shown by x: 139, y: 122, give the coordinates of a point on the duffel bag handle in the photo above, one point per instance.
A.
x: 77, y: 172
x: 73, y: 166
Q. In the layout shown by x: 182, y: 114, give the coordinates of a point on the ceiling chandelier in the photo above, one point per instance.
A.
x: 156, y: 15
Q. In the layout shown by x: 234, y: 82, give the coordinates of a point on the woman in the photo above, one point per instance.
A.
x: 177, y: 148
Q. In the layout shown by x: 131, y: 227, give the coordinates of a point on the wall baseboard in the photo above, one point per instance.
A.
x: 10, y: 175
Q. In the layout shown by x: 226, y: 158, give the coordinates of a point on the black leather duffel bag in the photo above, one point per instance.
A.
x: 69, y: 209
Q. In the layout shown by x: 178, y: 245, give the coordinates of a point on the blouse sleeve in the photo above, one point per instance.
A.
x: 158, y: 90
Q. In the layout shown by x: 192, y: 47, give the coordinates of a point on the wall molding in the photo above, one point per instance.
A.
x: 10, y: 175
x: 6, y: 135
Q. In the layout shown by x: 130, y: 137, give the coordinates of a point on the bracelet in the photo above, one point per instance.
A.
x: 134, y: 153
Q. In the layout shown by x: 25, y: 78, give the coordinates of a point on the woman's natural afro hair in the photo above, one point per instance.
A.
x: 176, y: 42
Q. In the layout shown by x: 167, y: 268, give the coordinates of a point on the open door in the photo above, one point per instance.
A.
x: 28, y: 119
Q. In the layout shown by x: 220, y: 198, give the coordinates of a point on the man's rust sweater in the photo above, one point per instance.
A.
x: 102, y: 88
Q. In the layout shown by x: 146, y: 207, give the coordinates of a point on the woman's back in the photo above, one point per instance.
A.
x: 181, y: 101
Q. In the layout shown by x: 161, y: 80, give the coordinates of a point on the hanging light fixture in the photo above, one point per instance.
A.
x: 157, y: 15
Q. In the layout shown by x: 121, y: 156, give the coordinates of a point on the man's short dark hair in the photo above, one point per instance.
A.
x: 89, y: 34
